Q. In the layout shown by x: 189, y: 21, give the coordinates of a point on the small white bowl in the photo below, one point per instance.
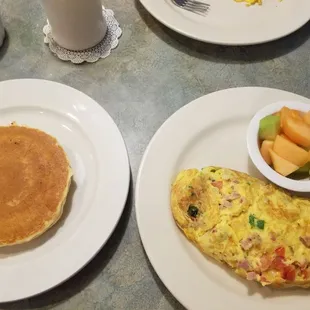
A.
x: 254, y: 152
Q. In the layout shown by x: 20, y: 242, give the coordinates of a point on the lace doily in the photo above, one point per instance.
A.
x: 101, y: 50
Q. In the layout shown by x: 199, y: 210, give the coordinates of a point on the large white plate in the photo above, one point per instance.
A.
x: 232, y: 23
x: 209, y: 131
x: 98, y: 194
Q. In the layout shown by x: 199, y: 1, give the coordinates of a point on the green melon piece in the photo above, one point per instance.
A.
x: 269, y: 127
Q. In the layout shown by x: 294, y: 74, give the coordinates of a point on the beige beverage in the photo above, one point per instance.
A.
x: 76, y: 24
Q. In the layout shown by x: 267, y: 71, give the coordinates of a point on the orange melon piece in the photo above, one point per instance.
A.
x: 264, y: 150
x: 286, y: 112
x: 290, y: 151
x: 285, y: 137
x: 297, y: 113
x: 296, y: 129
x: 281, y: 165
x: 307, y: 118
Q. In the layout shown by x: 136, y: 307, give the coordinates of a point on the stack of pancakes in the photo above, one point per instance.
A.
x: 35, y: 177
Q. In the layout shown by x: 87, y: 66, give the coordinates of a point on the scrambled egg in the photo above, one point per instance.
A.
x: 257, y: 229
x: 251, y: 2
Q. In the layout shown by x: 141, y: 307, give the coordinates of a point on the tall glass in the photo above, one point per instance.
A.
x: 76, y: 24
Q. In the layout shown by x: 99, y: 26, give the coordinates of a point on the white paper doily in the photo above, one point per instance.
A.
x: 101, y: 50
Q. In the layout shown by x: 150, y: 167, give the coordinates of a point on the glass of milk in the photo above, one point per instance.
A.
x: 76, y: 24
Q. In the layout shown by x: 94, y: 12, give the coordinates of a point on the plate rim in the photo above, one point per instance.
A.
x: 162, y: 277
x: 123, y: 190
x: 147, y: 4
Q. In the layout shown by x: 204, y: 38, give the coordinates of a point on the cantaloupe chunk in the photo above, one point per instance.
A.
x: 307, y: 118
x: 297, y: 130
x: 264, y: 150
x: 290, y: 151
x: 286, y: 112
x: 281, y: 165
x: 285, y: 137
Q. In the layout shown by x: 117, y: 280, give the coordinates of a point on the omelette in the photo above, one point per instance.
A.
x: 257, y: 229
x: 35, y: 177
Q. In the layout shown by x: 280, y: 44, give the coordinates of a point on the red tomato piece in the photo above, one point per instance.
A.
x: 289, y: 273
x: 278, y: 263
x: 280, y: 251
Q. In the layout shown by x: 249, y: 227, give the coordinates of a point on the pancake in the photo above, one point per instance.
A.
x: 35, y: 177
x: 257, y: 229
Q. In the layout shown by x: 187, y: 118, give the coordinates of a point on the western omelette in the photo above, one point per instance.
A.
x: 35, y: 177
x: 257, y: 229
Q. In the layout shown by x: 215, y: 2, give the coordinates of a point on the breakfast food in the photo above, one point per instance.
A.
x: 251, y: 2
x: 269, y: 127
x: 35, y: 177
x: 255, y: 228
x: 285, y: 141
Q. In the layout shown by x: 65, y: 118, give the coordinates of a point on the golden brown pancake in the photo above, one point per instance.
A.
x: 35, y: 177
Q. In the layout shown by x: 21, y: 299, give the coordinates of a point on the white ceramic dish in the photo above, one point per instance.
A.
x: 253, y: 147
x: 232, y: 23
x: 98, y: 156
x: 209, y: 131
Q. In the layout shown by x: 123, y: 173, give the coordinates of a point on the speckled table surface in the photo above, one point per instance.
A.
x: 152, y: 73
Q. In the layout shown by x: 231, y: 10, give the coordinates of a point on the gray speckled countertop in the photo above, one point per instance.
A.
x: 152, y: 73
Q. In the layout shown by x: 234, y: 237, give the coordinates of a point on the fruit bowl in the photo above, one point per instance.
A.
x: 253, y: 145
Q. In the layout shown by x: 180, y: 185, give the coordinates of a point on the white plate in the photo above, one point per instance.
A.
x: 97, y: 197
x: 232, y: 23
x: 209, y: 131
